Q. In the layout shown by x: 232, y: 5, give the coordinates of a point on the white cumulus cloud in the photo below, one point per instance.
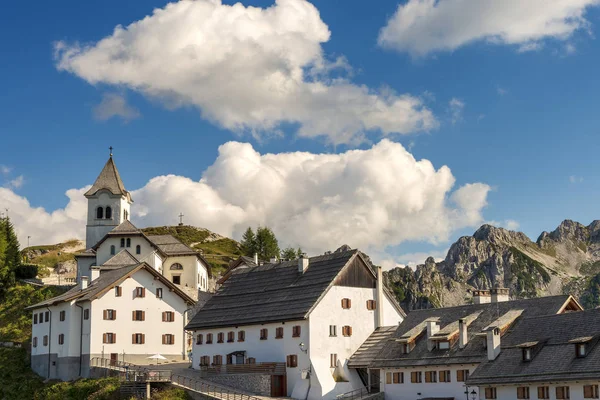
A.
x: 17, y: 182
x: 246, y: 69
x: 114, y: 105
x: 420, y: 27
x: 456, y: 108
x: 370, y: 199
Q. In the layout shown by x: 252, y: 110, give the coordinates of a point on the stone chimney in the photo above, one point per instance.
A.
x: 493, y: 343
x: 256, y: 258
x: 481, y: 296
x: 432, y: 329
x: 83, y: 282
x: 463, y: 336
x: 303, y: 263
x: 379, y: 298
x: 499, y: 295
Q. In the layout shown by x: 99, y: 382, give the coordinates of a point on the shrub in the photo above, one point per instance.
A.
x: 26, y: 271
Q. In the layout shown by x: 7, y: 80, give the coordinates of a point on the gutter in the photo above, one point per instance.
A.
x: 80, y: 338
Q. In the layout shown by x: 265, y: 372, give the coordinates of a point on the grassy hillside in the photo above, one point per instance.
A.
x: 50, y: 256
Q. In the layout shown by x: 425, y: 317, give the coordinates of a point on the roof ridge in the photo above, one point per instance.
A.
x: 489, y: 304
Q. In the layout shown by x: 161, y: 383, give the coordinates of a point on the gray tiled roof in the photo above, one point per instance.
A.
x: 110, y: 180
x: 371, y: 347
x: 121, y: 259
x: 170, y: 246
x: 270, y: 293
x: 125, y: 228
x: 555, y: 360
x: 392, y: 356
x: 86, y: 253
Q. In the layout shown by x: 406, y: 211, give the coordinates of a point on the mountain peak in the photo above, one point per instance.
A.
x: 494, y: 234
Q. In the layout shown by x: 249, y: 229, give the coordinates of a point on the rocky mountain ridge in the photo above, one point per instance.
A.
x: 566, y: 260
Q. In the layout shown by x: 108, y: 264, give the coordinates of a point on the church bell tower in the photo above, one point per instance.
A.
x: 108, y: 204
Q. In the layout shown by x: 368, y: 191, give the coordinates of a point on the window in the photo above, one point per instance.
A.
x: 332, y: 360
x: 543, y: 392
x: 204, y: 360
x: 86, y: 314
x: 138, y: 338
x: 562, y: 393
x: 217, y: 360
x: 580, y: 350
x: 168, y: 316
x: 229, y: 359
x: 346, y: 303
x: 279, y: 333
x: 406, y: 348
x: 118, y: 291
x: 41, y: 318
x: 490, y: 393
x: 108, y: 214
x: 177, y: 279
x: 61, y: 339
x: 462, y: 375
x: 230, y: 337
x: 430, y: 376
x: 35, y: 319
x: 159, y: 293
x: 264, y: 334
x: 292, y: 361
x: 241, y: 336
x: 209, y: 338
x: 62, y: 315
x: 109, y: 338
x: 99, y: 213
x: 416, y: 377
x: 199, y: 338
x: 522, y: 392
x: 251, y: 360
x: 371, y: 304
x: 110, y: 315
x: 128, y: 242
x: 347, y: 330
x: 138, y: 315
x: 47, y: 316
x: 443, y: 345
x: 220, y: 337
x: 140, y: 292
x: 332, y: 330
x: 296, y: 331
x: 176, y: 267
x: 397, y: 377
x: 527, y: 354
x: 34, y: 342
x: 112, y: 250
x: 445, y: 376
x: 168, y: 339
x: 45, y: 340
x: 138, y: 249
x: 590, y: 392
x: 122, y: 242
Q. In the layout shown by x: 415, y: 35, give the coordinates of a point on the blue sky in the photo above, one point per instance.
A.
x: 528, y: 125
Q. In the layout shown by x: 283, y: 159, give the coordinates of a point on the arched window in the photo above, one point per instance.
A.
x: 138, y: 249
x: 128, y: 242
x: 108, y: 213
x: 112, y: 250
x: 99, y: 213
x: 122, y: 242
x: 176, y: 266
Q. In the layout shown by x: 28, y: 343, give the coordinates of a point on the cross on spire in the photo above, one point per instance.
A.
x: 181, y: 219
x: 111, y: 149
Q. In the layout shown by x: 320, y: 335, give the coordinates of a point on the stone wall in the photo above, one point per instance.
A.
x: 251, y: 383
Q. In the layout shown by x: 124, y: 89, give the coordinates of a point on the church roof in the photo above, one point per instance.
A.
x: 170, y: 246
x: 122, y: 259
x: 109, y: 179
x: 125, y: 228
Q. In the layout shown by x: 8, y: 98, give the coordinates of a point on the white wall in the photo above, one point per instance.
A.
x: 103, y: 252
x: 411, y: 391
x: 193, y: 269
x: 153, y: 326
x: 270, y: 350
x: 510, y: 392
x: 97, y: 228
x: 328, y: 312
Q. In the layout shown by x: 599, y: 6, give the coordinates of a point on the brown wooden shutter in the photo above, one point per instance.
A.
x: 133, y: 338
x: 114, y: 314
x: 143, y: 315
x: 104, y: 338
x: 114, y: 338
x: 143, y: 292
x: 388, y: 378
x: 164, y: 316
x: 104, y: 314
x: 163, y: 339
x: 133, y: 315
x: 143, y: 338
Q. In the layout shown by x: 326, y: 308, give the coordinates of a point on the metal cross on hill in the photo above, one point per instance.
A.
x: 181, y: 219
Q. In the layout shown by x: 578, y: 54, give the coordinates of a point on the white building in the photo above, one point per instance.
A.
x: 311, y: 314
x: 548, y: 357
x: 433, y: 352
x: 113, y: 241
x: 126, y: 314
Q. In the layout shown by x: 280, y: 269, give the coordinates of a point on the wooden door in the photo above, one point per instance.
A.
x: 375, y: 380
x: 278, y: 386
x: 114, y: 357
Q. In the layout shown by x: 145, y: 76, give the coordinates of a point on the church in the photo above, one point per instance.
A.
x: 112, y: 241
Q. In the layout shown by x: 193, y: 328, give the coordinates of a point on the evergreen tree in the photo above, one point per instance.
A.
x: 266, y: 244
x: 289, y: 254
x: 9, y: 255
x: 299, y: 252
x: 249, y: 243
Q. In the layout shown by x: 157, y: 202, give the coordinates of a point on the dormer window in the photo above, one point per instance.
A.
x: 527, y: 354
x: 443, y: 345
x: 581, y: 350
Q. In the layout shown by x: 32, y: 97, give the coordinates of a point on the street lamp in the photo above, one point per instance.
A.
x: 473, y: 395
x: 304, y: 349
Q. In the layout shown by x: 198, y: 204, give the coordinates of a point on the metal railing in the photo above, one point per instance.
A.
x: 360, y: 393
x: 210, y: 389
x: 257, y: 368
x: 130, y: 372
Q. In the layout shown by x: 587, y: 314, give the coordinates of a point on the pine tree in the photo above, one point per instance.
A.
x: 266, y: 244
x: 4, y: 269
x: 249, y: 243
x: 13, y: 252
x: 299, y: 252
x: 289, y: 254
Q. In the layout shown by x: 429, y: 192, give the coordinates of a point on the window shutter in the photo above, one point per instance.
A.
x: 104, y: 338
x: 133, y: 338
x: 143, y: 338
x: 349, y: 303
x: 104, y: 314
x: 164, y: 318
x: 388, y: 378
x: 163, y: 339
x: 143, y: 292
x: 114, y: 314
x: 133, y: 315
x: 143, y: 315
x: 114, y: 338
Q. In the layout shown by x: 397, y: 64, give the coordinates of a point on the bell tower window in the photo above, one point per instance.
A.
x: 138, y: 249
x: 128, y: 242
x: 99, y: 213
x: 112, y: 250
x: 108, y: 213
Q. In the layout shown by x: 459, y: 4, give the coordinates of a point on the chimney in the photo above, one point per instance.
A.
x: 83, y: 282
x: 499, y: 295
x: 303, y: 263
x: 481, y: 296
x: 379, y: 299
x: 94, y: 273
x: 432, y: 329
x: 256, y: 258
x: 463, y: 337
x: 493, y: 343
x: 273, y: 260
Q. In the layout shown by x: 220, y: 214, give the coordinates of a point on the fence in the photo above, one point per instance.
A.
x: 210, y: 389
x: 258, y: 368
x: 360, y: 393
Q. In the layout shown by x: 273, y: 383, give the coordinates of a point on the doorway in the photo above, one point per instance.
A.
x: 177, y: 279
x: 114, y: 358
x: 278, y: 386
